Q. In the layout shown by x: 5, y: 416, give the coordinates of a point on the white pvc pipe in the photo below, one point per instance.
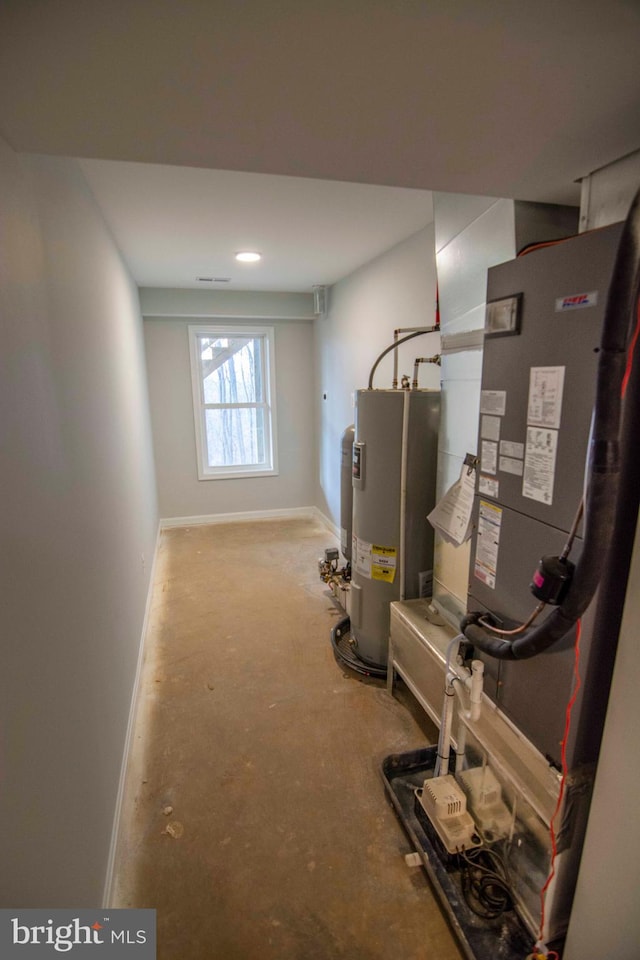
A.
x: 444, y: 738
x: 477, y: 680
x: 473, y: 681
x: 445, y: 731
x: 461, y: 743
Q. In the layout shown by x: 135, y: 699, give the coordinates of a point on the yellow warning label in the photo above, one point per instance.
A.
x: 383, y: 563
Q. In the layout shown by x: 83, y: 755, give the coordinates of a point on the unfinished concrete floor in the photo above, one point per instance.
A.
x: 280, y: 842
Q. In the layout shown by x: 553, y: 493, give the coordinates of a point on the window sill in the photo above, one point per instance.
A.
x: 237, y: 474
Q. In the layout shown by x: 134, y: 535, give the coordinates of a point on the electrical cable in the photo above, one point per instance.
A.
x: 632, y: 347
x: 577, y: 683
x: 541, y: 244
x: 574, y: 529
x: 485, y: 882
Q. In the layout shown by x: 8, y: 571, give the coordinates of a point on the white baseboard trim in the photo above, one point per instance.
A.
x: 166, y: 523
x: 109, y: 878
x: 329, y: 524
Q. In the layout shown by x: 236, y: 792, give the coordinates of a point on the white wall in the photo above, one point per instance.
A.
x: 181, y: 494
x: 472, y: 234
x: 77, y: 514
x: 606, y: 194
x: 397, y: 289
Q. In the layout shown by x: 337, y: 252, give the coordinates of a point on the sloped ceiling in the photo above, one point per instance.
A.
x: 175, y: 224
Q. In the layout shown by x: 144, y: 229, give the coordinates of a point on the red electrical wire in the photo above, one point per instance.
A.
x: 563, y: 757
x: 552, y: 955
x: 627, y: 372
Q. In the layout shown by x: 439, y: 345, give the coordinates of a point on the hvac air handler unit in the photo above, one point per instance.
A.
x: 554, y: 520
x: 538, y: 389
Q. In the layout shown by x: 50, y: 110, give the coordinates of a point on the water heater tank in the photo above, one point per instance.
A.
x: 394, y: 481
x: 346, y: 491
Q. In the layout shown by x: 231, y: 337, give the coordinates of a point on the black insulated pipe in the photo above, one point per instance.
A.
x: 605, y: 462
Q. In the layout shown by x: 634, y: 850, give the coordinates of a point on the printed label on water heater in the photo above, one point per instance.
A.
x: 343, y: 540
x: 361, y: 557
x: 383, y: 563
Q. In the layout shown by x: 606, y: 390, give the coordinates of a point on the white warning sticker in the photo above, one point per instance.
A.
x: 540, y: 465
x: 489, y: 456
x: 509, y: 448
x: 490, y: 427
x: 488, y: 486
x: 511, y: 465
x: 545, y: 397
x: 487, y: 543
x: 493, y: 402
x: 361, y: 557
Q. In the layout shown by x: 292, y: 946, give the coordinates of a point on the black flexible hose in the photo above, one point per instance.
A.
x: 351, y: 660
x: 396, y: 343
x: 604, y: 464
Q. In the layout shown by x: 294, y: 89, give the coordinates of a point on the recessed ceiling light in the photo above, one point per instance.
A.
x: 248, y: 256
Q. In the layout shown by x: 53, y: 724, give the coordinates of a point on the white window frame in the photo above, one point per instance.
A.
x: 230, y: 329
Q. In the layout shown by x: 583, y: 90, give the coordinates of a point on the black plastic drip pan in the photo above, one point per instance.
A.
x: 505, y: 938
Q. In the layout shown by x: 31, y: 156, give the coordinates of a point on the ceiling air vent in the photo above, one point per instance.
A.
x: 213, y: 279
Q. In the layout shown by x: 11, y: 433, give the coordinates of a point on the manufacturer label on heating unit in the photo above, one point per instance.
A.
x: 576, y: 301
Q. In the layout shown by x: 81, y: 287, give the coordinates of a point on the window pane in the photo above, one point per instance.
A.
x: 235, y: 437
x: 231, y: 369
x: 232, y: 373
